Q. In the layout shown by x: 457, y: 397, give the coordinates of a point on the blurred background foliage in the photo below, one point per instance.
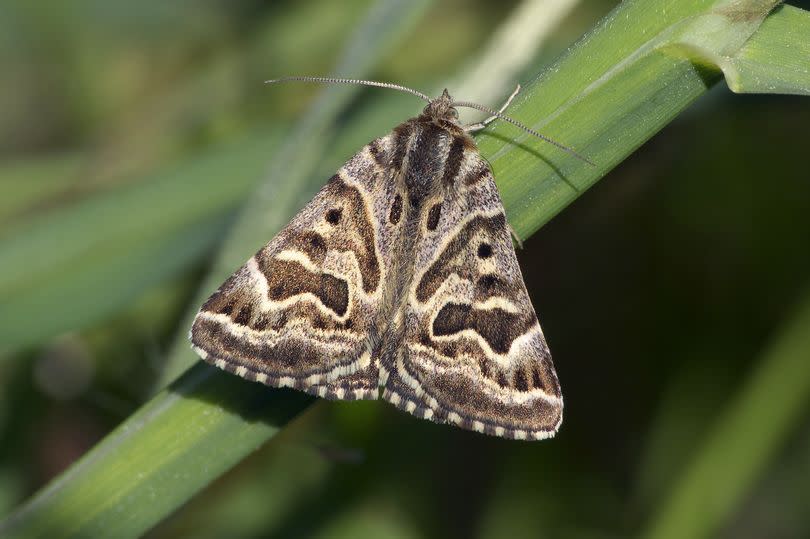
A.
x: 662, y: 290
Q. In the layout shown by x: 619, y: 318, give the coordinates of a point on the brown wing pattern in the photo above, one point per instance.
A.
x: 303, y: 311
x: 399, y: 274
x: 474, y: 354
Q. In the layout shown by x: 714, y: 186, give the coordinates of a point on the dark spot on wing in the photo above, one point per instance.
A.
x: 484, y: 250
x: 286, y: 279
x: 497, y: 326
x: 453, y: 162
x: 453, y: 260
x: 396, y: 210
x: 536, y: 382
x: 520, y: 382
x: 355, y: 215
x: 333, y: 216
x: 243, y: 316
x: 313, y: 244
x: 477, y: 173
x: 487, y: 284
x: 433, y: 216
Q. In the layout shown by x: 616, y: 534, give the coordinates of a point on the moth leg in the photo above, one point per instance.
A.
x: 472, y: 128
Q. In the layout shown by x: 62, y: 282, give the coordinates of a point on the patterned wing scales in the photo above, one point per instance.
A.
x: 303, y: 311
x: 400, y: 273
x: 473, y: 353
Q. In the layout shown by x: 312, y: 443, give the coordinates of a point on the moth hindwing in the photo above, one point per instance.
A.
x: 399, y: 275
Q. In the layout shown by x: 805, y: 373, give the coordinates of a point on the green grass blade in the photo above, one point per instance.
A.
x: 615, y: 89
x: 121, y: 488
x: 31, y: 182
x: 97, y: 255
x: 89, y: 498
x: 610, y: 93
x: 776, y: 60
x: 756, y: 424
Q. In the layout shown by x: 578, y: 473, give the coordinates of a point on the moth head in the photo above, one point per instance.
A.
x: 444, y: 108
x: 441, y: 108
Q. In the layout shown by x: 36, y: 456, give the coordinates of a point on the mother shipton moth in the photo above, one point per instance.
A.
x: 400, y: 276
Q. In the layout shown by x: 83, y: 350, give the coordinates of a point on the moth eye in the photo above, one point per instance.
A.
x: 333, y: 216
x: 453, y: 113
x: 484, y: 250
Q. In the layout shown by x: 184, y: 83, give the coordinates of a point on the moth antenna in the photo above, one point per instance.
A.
x: 529, y: 130
x: 330, y: 80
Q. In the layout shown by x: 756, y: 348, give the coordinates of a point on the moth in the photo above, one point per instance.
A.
x: 398, y: 280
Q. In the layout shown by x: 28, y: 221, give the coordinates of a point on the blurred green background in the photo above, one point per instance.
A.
x: 130, y: 134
